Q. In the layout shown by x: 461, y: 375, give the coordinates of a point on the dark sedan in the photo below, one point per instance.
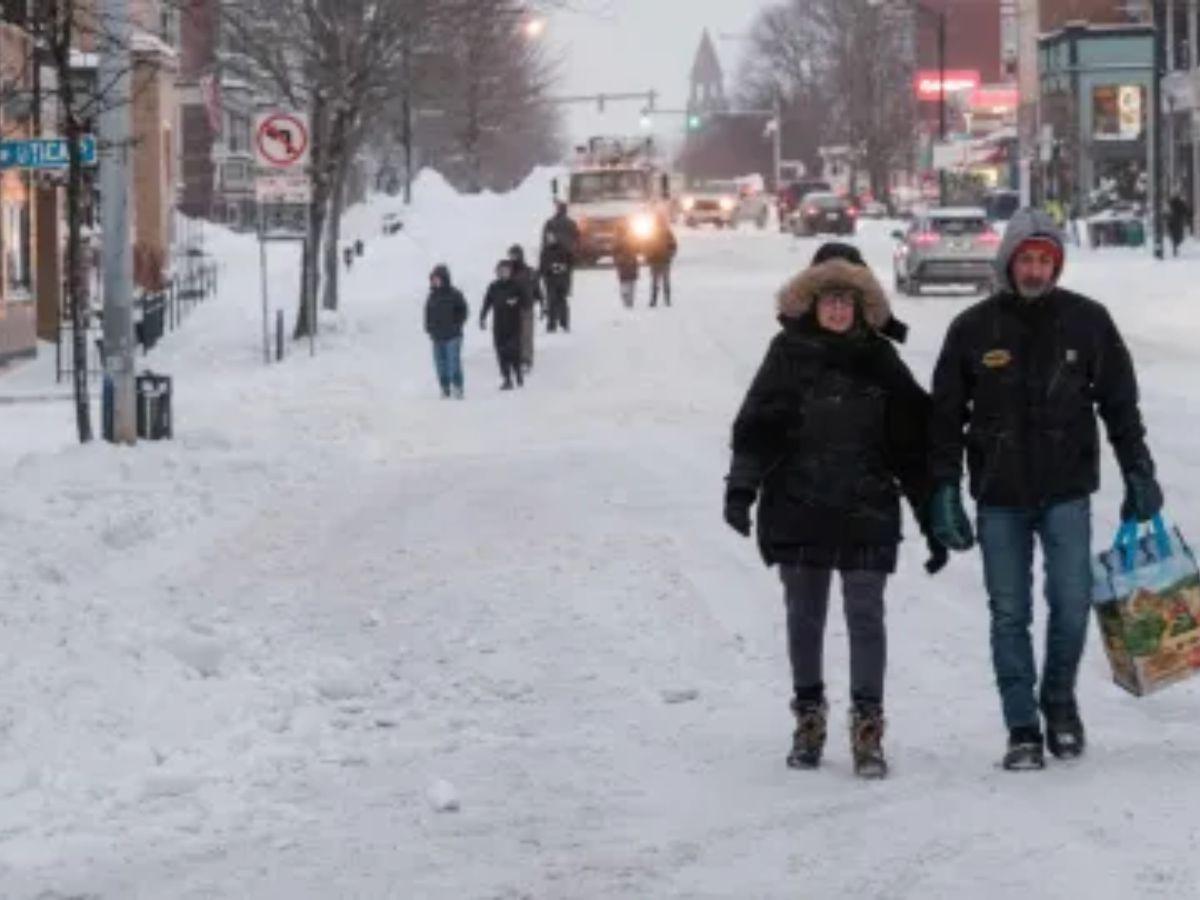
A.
x: 824, y: 214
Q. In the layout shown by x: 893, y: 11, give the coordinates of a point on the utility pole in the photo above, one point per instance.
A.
x: 1030, y: 90
x: 117, y: 260
x: 943, y: 186
x: 1156, y: 127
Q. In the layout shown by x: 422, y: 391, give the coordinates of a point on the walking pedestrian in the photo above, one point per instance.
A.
x: 504, y: 301
x: 555, y: 266
x: 625, y: 260
x: 1179, y: 220
x: 531, y: 296
x: 832, y: 431
x: 1017, y: 387
x: 660, y: 254
x: 446, y: 312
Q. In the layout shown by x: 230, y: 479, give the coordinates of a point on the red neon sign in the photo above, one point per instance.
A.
x: 929, y: 84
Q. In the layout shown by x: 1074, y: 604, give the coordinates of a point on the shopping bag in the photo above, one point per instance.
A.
x: 1146, y: 591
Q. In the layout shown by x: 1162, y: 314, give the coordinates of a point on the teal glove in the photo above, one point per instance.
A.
x: 948, y: 520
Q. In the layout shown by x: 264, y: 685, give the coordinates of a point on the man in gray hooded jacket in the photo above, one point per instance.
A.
x: 1017, y: 388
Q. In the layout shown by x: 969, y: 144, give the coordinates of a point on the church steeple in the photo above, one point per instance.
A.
x: 708, y: 79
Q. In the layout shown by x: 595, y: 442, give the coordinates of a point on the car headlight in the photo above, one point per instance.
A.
x: 688, y: 204
x: 727, y: 204
x: 643, y: 226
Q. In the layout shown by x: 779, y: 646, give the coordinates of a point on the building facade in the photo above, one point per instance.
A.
x: 1181, y: 96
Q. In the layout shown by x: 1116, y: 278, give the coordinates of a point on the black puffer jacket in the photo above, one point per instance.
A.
x: 1018, y: 385
x: 556, y: 265
x: 504, y: 301
x: 525, y: 278
x: 446, y: 309
x: 832, y: 430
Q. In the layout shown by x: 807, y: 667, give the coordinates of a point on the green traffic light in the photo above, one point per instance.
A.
x: 694, y: 122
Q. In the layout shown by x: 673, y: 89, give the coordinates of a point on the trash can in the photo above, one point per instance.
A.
x: 153, y: 407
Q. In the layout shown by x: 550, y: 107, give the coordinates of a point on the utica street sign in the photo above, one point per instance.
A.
x: 50, y: 153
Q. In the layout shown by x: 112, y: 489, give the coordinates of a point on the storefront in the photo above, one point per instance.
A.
x: 1096, y: 89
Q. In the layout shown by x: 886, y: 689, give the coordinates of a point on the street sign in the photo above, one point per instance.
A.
x: 281, y: 140
x: 47, y: 153
x: 282, y: 187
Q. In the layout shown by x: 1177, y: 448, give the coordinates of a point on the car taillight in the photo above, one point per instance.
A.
x: 852, y: 212
x: 990, y: 237
x: 927, y: 239
x: 812, y: 211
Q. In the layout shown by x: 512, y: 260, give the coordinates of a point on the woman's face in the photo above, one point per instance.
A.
x: 835, y: 310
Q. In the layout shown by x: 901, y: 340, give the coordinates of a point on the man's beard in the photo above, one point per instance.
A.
x: 1032, y: 289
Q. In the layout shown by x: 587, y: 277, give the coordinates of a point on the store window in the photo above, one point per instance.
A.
x: 1118, y: 112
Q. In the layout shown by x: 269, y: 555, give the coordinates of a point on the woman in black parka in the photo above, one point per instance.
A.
x: 832, y: 431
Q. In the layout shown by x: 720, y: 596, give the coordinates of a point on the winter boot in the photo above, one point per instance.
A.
x: 1025, y: 751
x: 866, y: 740
x: 809, y: 739
x: 1064, y: 730
x: 446, y: 389
x: 507, y: 386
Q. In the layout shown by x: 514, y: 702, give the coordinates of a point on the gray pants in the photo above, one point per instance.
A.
x: 807, y: 598
x: 527, y: 338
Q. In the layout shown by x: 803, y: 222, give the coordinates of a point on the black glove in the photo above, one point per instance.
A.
x: 938, y: 556
x: 737, y: 510
x: 948, y: 522
x: 1143, y: 497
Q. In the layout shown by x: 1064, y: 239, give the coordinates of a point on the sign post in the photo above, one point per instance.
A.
x: 281, y: 149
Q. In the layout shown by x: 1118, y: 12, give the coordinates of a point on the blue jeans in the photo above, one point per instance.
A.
x: 1006, y: 539
x: 447, y: 358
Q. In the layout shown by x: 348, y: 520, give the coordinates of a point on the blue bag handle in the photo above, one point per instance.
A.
x: 1126, y: 543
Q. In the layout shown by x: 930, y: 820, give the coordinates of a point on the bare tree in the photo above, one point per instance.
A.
x: 846, y: 67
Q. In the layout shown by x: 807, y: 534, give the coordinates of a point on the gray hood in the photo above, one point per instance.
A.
x: 1027, y: 223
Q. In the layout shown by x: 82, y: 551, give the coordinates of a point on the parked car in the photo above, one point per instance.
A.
x: 824, y: 214
x: 946, y: 246
x: 725, y: 204
x: 790, y: 197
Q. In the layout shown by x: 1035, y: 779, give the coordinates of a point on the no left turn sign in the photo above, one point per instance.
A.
x: 281, y: 140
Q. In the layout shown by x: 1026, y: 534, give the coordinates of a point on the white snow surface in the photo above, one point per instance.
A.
x: 255, y: 662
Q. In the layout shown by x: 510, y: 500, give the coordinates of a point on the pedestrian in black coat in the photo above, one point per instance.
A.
x: 564, y: 229
x: 556, y: 266
x: 531, y: 295
x: 625, y: 261
x: 1179, y: 220
x: 504, y: 301
x: 831, y: 433
x: 660, y: 254
x: 446, y: 312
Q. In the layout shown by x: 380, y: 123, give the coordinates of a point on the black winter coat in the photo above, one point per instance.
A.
x: 565, y: 230
x: 831, y: 431
x: 661, y: 251
x: 1017, y: 387
x: 555, y: 266
x: 527, y: 281
x: 445, y: 312
x: 504, y: 301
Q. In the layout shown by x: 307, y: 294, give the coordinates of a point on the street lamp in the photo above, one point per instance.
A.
x: 534, y: 28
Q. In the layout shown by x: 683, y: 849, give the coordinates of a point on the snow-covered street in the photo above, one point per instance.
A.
x: 237, y: 665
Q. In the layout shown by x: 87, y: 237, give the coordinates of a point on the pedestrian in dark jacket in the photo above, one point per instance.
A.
x: 625, y: 260
x: 832, y: 431
x: 564, y: 229
x: 348, y: 257
x: 504, y: 301
x: 660, y: 253
x: 1016, y: 389
x: 531, y: 296
x: 556, y: 266
x: 1179, y: 220
x: 445, y: 313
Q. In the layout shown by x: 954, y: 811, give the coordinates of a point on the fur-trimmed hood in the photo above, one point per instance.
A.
x: 799, y: 296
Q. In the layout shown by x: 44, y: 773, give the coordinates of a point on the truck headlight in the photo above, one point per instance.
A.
x: 643, y: 226
x: 688, y: 204
x: 727, y: 204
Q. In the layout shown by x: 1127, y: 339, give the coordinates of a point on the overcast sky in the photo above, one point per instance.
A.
x: 610, y: 46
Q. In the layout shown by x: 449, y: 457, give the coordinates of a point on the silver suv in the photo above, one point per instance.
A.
x: 951, y: 245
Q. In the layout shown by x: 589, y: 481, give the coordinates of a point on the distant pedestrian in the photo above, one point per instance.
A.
x: 659, y: 255
x: 359, y: 247
x: 625, y: 258
x: 504, y: 301
x: 1179, y: 220
x: 556, y: 269
x: 446, y: 312
x: 348, y: 257
x: 531, y: 295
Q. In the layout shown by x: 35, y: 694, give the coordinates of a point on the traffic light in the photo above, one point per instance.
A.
x: 694, y: 122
